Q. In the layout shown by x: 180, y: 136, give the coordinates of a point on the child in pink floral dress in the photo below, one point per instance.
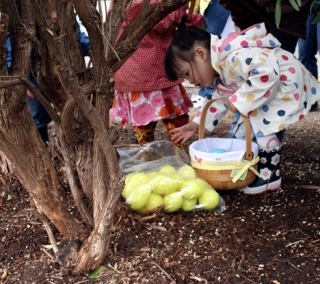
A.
x: 143, y: 93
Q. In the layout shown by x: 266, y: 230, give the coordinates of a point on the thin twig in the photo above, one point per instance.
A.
x: 159, y: 228
x: 48, y: 254
x: 200, y: 279
x: 164, y: 272
x: 114, y: 269
x: 48, y: 229
x: 83, y: 281
x: 247, y: 278
x: 294, y: 266
x: 305, y: 186
x: 56, y: 276
x: 126, y: 145
x: 146, y: 218
x: 265, y: 192
x: 294, y: 243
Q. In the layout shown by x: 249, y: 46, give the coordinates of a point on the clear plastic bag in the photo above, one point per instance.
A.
x: 159, y: 177
x: 150, y: 156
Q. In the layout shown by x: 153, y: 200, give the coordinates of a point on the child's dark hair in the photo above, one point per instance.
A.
x: 186, y: 37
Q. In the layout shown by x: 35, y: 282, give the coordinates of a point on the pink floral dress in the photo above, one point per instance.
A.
x: 143, y: 92
x: 141, y: 108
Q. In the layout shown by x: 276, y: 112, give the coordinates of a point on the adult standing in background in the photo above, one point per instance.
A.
x: 309, y: 47
x: 293, y: 24
x: 218, y: 22
x: 245, y: 13
x: 38, y: 113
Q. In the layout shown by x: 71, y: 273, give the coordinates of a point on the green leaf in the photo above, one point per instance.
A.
x: 315, y: 7
x: 278, y: 13
x: 9, y: 197
x: 299, y: 3
x: 294, y: 4
x: 95, y: 273
x: 49, y: 246
x: 316, y: 19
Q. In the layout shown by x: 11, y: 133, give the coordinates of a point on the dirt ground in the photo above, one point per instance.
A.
x: 267, y: 238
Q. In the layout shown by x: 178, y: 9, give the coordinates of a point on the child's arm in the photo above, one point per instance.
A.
x: 182, y: 134
x: 214, y: 115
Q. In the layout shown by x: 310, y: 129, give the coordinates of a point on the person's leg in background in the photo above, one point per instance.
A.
x: 218, y: 22
x: 145, y: 133
x: 40, y: 117
x: 308, y: 49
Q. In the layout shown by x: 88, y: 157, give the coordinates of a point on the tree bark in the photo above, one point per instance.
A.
x: 78, y: 100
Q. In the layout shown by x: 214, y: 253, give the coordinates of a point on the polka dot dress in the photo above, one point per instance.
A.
x: 263, y: 81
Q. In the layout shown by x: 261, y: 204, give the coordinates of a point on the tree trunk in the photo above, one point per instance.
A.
x: 78, y: 100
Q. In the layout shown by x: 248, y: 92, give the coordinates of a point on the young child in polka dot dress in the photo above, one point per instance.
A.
x: 260, y: 80
x: 143, y: 93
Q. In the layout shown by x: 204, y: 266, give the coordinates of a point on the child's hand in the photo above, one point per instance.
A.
x: 183, y: 133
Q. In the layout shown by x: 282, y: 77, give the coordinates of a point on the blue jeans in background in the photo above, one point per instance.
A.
x: 40, y: 117
x: 309, y: 47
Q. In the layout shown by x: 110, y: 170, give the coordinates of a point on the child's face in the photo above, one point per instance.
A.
x: 199, y: 72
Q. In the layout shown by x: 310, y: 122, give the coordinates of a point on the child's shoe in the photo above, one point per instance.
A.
x: 269, y: 169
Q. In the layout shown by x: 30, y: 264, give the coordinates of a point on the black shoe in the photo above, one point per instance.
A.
x: 314, y: 107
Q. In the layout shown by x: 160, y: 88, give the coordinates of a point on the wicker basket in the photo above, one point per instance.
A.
x: 226, y: 175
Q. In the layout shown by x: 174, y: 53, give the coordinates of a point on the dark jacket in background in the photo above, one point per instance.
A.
x: 245, y: 13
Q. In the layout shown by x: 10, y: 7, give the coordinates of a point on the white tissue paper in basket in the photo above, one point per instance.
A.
x: 234, y: 149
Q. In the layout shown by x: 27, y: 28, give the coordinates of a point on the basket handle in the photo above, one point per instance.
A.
x: 248, y: 153
x: 192, y: 6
